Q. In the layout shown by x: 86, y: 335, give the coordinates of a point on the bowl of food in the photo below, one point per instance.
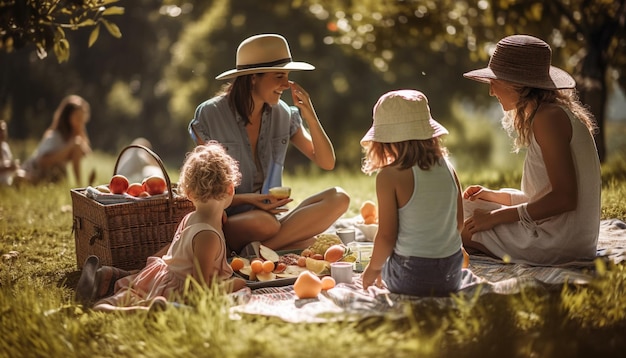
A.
x: 368, y: 230
x: 280, y: 192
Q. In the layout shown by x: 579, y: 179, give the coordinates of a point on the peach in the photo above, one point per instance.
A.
x: 368, y: 208
x: 328, y: 283
x: 118, y: 184
x: 307, y: 285
x: 335, y: 253
x: 154, y: 185
x: 134, y: 189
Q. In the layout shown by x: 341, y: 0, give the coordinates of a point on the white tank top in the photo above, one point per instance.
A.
x: 427, y: 224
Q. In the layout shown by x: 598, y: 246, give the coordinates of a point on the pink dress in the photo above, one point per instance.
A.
x: 165, y: 276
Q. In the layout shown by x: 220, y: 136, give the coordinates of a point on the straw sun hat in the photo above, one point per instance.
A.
x: 524, y: 60
x: 402, y: 115
x: 264, y: 53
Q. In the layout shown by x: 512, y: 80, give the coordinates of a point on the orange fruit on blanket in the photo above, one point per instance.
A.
x: 268, y: 266
x: 371, y: 219
x: 368, y: 208
x: 237, y: 264
x: 328, y: 283
x: 307, y: 285
x: 335, y: 253
x: 256, y: 266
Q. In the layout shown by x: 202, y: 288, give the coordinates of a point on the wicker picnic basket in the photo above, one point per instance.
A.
x: 124, y: 234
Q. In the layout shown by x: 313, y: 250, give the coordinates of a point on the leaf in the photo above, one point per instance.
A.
x: 112, y: 28
x: 85, y: 23
x: 114, y: 10
x: 62, y: 50
x: 94, y: 35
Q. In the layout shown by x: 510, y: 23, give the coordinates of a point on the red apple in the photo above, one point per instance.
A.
x: 154, y: 185
x: 134, y: 189
x: 118, y: 184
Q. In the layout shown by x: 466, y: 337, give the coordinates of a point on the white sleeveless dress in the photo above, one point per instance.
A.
x: 571, y: 236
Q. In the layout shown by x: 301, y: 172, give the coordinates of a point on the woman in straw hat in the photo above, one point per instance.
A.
x: 249, y: 118
x: 417, y: 249
x: 556, y: 216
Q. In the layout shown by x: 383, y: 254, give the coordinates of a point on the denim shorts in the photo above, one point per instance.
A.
x: 419, y: 276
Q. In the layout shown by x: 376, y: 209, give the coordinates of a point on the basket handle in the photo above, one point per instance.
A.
x: 158, y: 160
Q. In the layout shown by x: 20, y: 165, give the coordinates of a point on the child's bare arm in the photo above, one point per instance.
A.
x: 206, y: 246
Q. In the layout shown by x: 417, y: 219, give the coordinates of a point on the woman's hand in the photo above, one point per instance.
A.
x: 371, y: 277
x: 81, y: 145
x: 481, y: 220
x: 301, y: 99
x: 264, y: 202
x: 474, y: 192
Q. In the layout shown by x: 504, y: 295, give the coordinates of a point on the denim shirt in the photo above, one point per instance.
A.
x: 215, y: 120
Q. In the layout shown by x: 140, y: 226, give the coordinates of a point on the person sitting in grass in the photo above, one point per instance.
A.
x: 250, y: 119
x: 198, y: 250
x: 65, y: 141
x: 417, y: 248
x: 555, y: 217
x: 8, y: 166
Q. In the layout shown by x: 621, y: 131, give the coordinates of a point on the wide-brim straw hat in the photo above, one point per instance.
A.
x: 264, y: 53
x: 402, y: 115
x: 523, y: 60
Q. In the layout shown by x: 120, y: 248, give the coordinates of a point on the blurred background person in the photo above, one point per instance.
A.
x: 136, y: 164
x: 65, y: 141
x: 8, y: 166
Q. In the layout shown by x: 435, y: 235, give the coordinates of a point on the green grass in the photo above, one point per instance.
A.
x: 39, y: 318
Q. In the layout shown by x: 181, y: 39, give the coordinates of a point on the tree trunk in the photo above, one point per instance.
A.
x: 592, y: 89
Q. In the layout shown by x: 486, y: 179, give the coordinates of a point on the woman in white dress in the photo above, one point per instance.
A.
x: 555, y: 217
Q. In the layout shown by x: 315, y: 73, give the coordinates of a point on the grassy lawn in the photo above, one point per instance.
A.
x: 39, y: 318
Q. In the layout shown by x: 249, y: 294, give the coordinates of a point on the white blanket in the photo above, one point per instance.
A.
x: 485, y: 275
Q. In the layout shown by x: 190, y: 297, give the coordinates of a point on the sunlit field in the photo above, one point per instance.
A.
x: 39, y: 317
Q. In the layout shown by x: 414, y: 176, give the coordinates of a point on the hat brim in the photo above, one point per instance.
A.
x: 289, y: 66
x: 558, y: 78
x: 391, y: 134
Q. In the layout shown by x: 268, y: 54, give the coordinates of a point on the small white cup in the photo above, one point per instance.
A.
x: 341, y: 272
x: 346, y: 235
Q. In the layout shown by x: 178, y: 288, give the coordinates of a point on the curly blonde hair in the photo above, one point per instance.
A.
x: 423, y: 153
x: 517, y: 122
x: 207, y: 173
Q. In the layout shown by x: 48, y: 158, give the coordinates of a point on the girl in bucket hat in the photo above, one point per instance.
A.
x: 417, y: 248
x: 555, y: 217
x: 256, y: 126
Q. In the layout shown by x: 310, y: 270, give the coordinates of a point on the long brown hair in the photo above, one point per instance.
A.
x: 239, y: 93
x: 423, y: 153
x: 62, y: 115
x: 518, y: 122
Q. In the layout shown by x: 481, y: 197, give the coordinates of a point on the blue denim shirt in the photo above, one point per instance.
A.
x: 215, y: 120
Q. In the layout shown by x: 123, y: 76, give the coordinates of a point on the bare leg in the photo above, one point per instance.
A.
x: 244, y: 228
x: 295, y: 230
x: 314, y: 215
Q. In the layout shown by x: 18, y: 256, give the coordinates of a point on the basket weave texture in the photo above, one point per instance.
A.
x: 125, y: 234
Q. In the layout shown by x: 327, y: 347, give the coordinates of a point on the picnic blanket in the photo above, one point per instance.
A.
x: 484, y: 275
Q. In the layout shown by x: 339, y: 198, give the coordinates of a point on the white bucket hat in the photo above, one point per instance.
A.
x: 524, y: 60
x: 264, y: 53
x: 402, y: 115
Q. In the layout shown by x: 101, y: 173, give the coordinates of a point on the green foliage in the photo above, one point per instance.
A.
x: 43, y: 23
x: 598, y: 304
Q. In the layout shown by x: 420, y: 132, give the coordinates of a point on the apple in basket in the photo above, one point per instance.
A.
x: 135, y: 189
x: 118, y: 184
x: 154, y: 185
